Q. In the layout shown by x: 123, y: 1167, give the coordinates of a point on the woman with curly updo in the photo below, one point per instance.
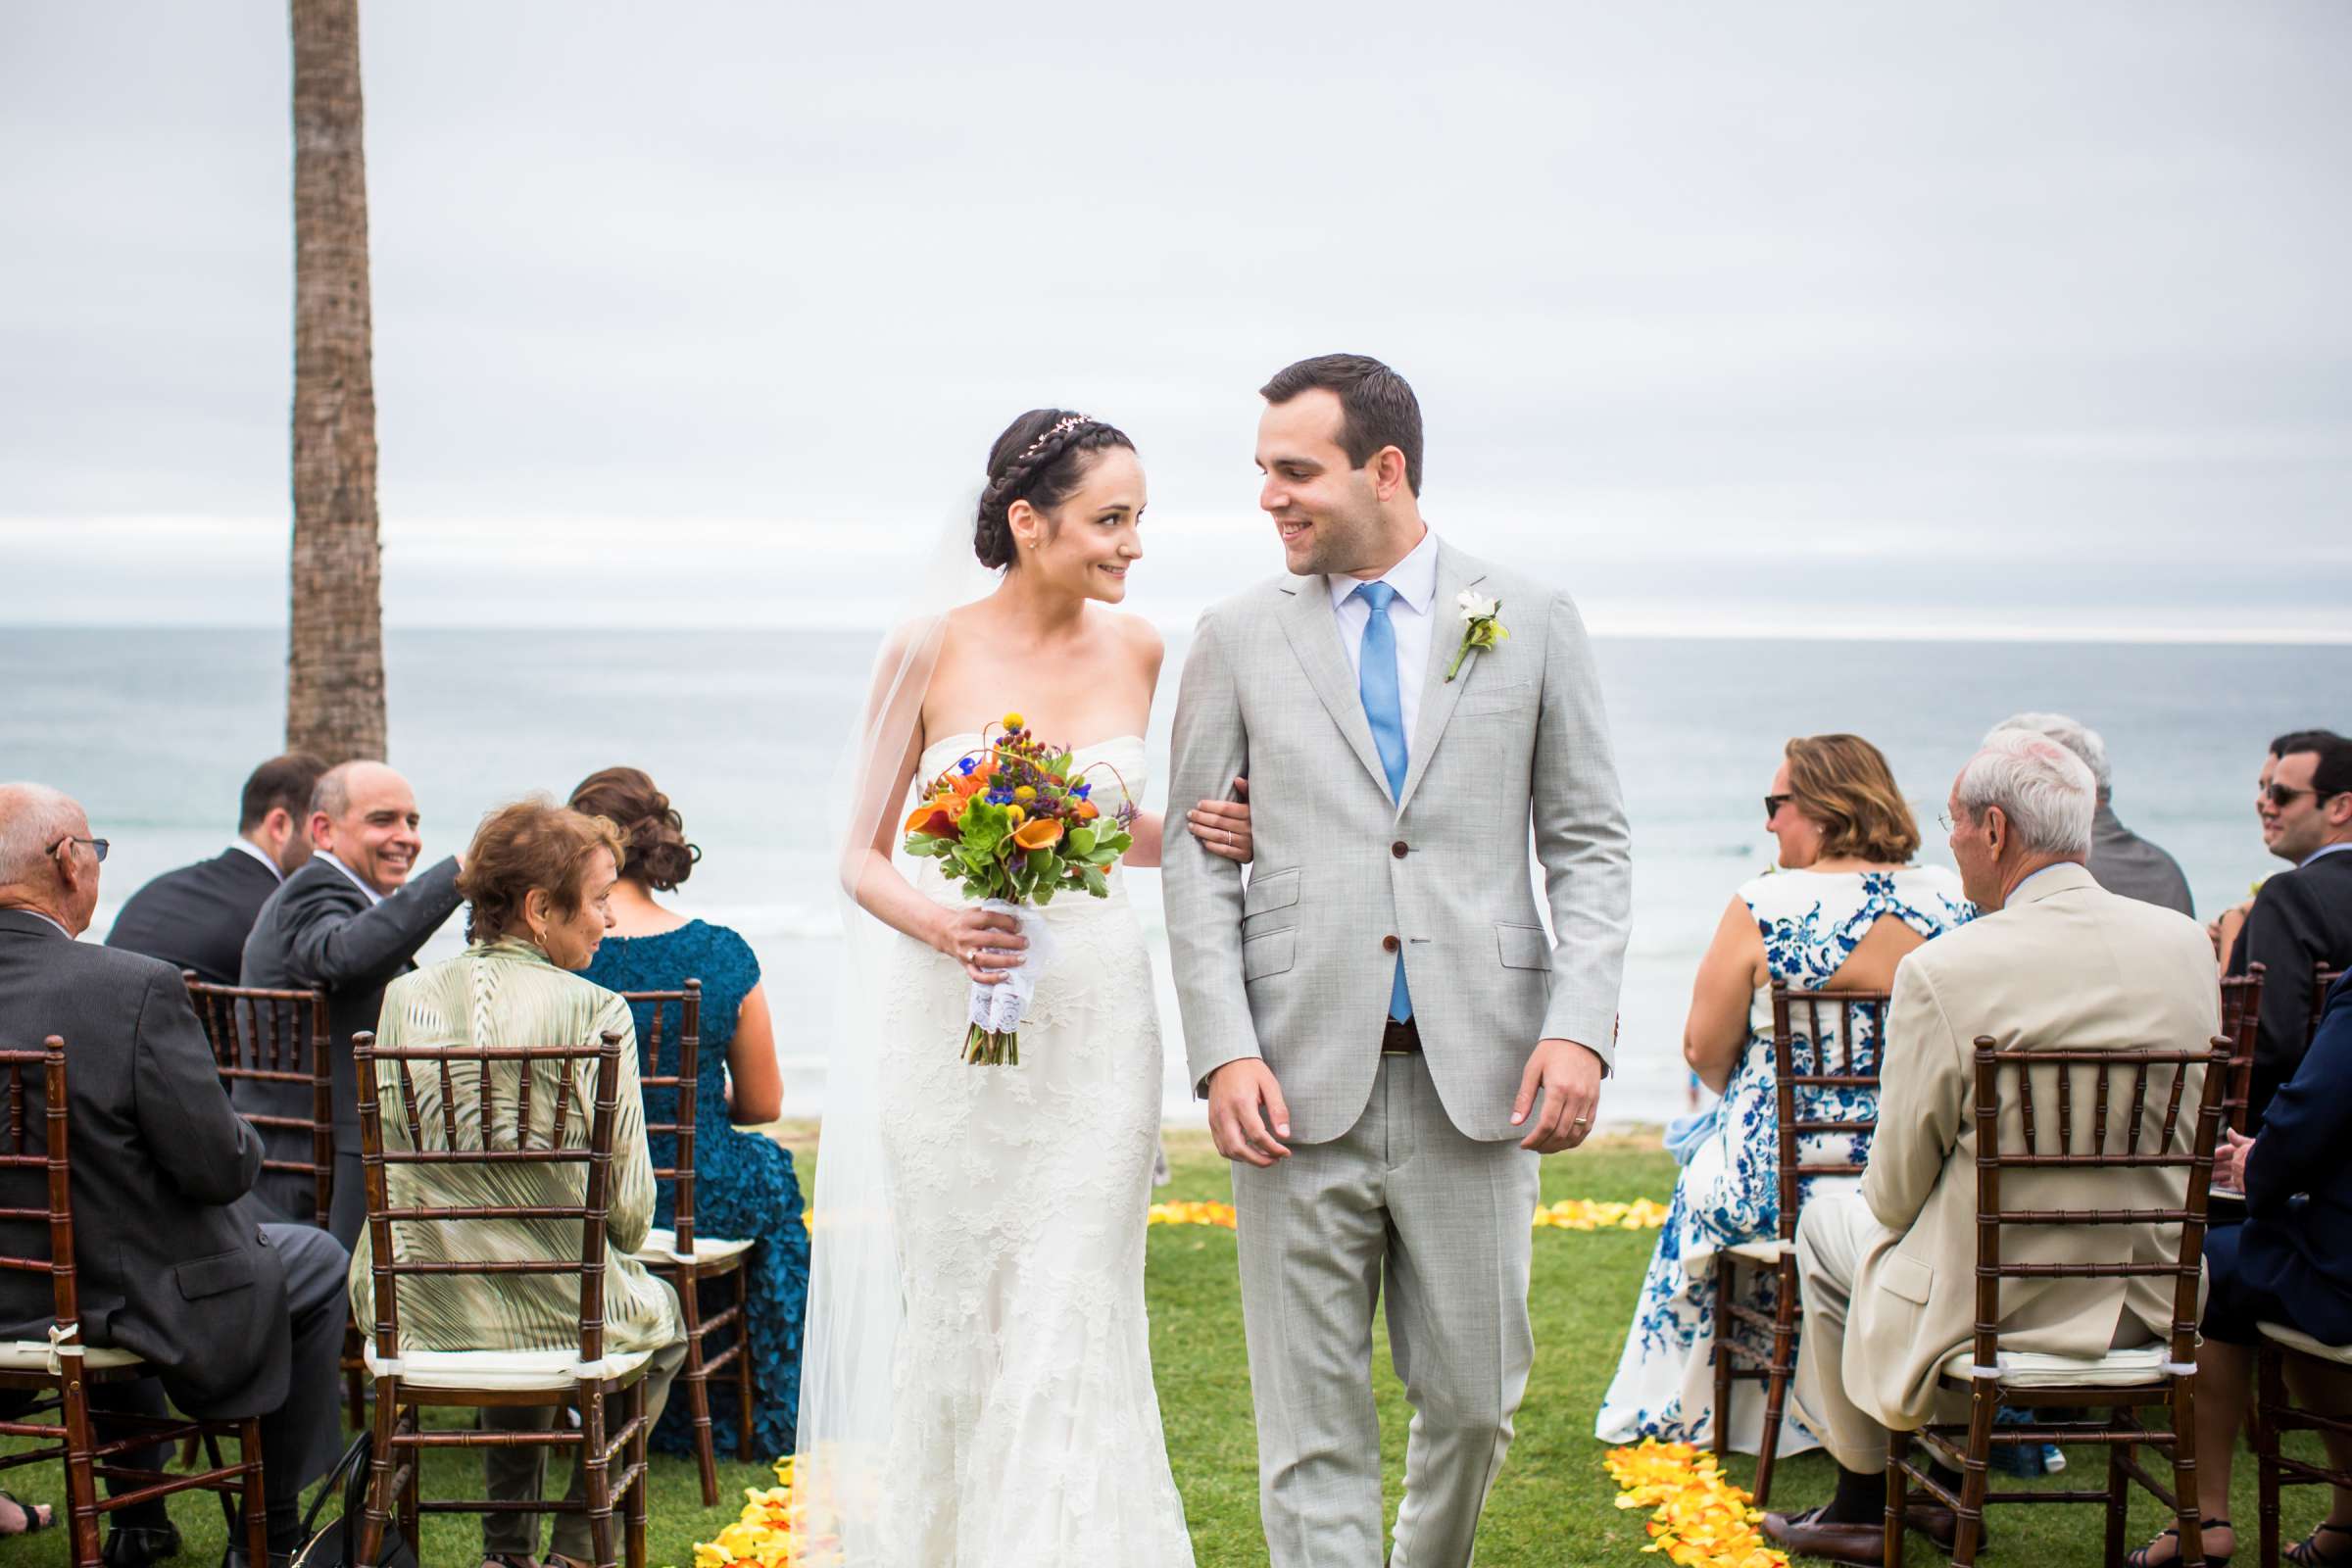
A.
x: 1012, y: 1418
x: 745, y: 1186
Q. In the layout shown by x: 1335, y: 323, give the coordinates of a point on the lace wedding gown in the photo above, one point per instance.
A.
x: 1025, y: 1430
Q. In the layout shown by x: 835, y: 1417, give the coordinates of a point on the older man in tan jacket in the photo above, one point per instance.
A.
x: 1887, y: 1272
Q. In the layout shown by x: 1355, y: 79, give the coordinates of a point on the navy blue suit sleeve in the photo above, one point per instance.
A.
x: 2304, y: 1132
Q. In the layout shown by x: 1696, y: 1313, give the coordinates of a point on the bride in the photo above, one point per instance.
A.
x: 977, y: 1382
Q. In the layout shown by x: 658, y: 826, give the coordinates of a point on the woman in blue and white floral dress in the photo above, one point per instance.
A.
x: 1842, y: 913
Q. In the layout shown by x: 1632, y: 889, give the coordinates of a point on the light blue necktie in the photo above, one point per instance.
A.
x: 1384, y: 706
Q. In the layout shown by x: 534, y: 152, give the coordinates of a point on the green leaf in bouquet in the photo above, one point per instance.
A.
x: 1044, y: 895
x: 1059, y: 767
x: 1042, y: 863
x: 973, y: 890
x: 1081, y: 843
x: 1117, y: 843
x: 1096, y: 883
x: 1101, y: 857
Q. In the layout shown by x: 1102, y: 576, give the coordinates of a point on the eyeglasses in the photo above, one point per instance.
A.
x: 2280, y: 797
x: 1945, y: 818
x: 98, y: 847
x: 1773, y: 803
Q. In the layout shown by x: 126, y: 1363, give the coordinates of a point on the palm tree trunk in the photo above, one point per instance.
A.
x: 335, y: 637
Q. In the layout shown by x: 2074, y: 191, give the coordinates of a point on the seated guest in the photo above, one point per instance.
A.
x: 539, y: 878
x: 2122, y: 862
x: 1844, y: 911
x: 2301, y: 918
x: 198, y: 916
x: 237, y: 1317
x: 745, y: 1187
x: 2290, y: 1262
x: 2054, y: 962
x: 347, y: 923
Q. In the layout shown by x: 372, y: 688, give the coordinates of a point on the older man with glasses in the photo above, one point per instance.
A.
x: 2302, y: 918
x: 237, y: 1316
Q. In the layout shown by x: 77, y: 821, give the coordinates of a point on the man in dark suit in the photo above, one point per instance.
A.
x: 2301, y: 918
x: 348, y: 923
x: 237, y: 1316
x: 198, y: 916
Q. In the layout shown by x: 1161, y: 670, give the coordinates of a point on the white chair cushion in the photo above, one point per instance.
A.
x: 32, y: 1355
x: 2031, y: 1369
x: 661, y: 1247
x: 1765, y: 1251
x: 2296, y: 1339
x: 503, y: 1370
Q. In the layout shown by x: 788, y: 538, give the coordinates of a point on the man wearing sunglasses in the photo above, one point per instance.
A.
x: 2302, y: 918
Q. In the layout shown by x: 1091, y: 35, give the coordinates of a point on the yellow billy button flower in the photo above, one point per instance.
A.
x: 1012, y: 721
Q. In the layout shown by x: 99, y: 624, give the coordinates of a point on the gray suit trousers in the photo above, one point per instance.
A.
x: 1405, y: 1203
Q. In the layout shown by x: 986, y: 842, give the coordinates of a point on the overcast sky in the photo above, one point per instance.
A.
x: 1963, y: 316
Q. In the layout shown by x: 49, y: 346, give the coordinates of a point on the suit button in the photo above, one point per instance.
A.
x: 1387, y: 943
x: 1399, y: 848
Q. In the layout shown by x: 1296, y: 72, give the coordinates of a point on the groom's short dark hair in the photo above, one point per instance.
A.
x: 1377, y: 406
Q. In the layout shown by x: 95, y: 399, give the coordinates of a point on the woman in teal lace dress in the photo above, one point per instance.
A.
x: 745, y: 1186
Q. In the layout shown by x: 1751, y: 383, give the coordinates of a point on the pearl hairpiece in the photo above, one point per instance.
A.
x: 1061, y: 427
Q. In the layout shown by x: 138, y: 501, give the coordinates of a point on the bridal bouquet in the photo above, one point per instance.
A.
x: 1015, y: 828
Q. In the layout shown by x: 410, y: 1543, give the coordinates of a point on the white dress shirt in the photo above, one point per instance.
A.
x: 256, y: 851
x: 373, y: 897
x: 1412, y: 614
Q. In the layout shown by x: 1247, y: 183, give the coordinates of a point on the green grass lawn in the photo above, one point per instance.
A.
x: 1553, y: 1504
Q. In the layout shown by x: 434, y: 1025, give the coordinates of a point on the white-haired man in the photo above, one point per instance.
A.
x: 2120, y: 860
x: 2055, y: 963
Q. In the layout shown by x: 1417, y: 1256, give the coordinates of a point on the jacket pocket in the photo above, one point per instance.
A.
x: 1524, y: 947
x: 217, y: 1275
x: 1265, y: 894
x: 1908, y: 1278
x: 1270, y: 954
x: 1502, y: 697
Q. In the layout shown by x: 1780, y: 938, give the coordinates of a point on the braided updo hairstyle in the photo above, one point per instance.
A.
x: 654, y: 851
x: 1035, y: 463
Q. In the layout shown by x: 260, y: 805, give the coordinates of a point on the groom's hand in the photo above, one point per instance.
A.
x: 1568, y: 1075
x: 1245, y: 1113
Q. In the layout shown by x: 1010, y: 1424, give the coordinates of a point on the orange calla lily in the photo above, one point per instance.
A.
x: 1086, y: 811
x: 1041, y: 834
x: 930, y: 819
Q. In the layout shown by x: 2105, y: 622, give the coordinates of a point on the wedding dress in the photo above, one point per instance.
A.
x: 1024, y: 1430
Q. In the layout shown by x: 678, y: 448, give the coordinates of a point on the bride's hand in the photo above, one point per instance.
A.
x: 985, y: 942
x: 1223, y: 826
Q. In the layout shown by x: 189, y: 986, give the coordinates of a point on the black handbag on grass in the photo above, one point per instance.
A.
x: 336, y: 1544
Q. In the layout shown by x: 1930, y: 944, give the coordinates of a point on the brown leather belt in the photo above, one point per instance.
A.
x: 1400, y: 1039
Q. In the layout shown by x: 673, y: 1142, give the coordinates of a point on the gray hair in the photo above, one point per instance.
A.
x: 2072, y: 734
x: 2047, y: 792
x: 33, y: 819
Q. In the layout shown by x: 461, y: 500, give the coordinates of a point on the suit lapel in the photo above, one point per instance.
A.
x: 1438, y: 695
x: 1314, y: 636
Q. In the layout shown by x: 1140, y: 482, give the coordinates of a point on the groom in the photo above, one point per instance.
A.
x: 1385, y: 1035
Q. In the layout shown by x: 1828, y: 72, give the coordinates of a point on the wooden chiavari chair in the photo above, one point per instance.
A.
x: 280, y: 1037
x: 2322, y: 980
x: 2120, y: 1382
x: 1843, y: 1058
x: 60, y: 1371
x: 2242, y: 1021
x: 677, y: 1253
x: 581, y: 1377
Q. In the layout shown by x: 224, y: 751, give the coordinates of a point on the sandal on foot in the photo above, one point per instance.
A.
x: 2212, y: 1560
x: 39, y: 1516
x: 2304, y: 1553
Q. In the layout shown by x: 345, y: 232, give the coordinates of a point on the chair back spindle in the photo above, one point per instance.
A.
x: 1844, y: 1055
x: 681, y: 1082
x: 2242, y: 1021
x: 277, y: 1037
x: 2322, y: 980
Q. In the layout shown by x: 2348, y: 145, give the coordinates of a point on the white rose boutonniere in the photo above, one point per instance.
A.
x: 1482, y: 628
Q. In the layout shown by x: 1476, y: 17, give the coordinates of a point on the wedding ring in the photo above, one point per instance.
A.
x: 1580, y: 1121
x: 972, y: 956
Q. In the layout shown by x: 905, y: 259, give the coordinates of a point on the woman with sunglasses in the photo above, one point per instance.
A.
x: 1844, y: 908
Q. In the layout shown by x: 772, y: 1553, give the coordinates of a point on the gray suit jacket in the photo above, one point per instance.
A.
x: 2125, y: 862
x: 319, y: 933
x: 1295, y: 967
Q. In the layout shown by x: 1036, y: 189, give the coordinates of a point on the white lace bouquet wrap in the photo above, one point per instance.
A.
x: 998, y: 1010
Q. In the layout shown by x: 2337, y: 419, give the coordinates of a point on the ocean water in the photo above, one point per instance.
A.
x: 154, y: 731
